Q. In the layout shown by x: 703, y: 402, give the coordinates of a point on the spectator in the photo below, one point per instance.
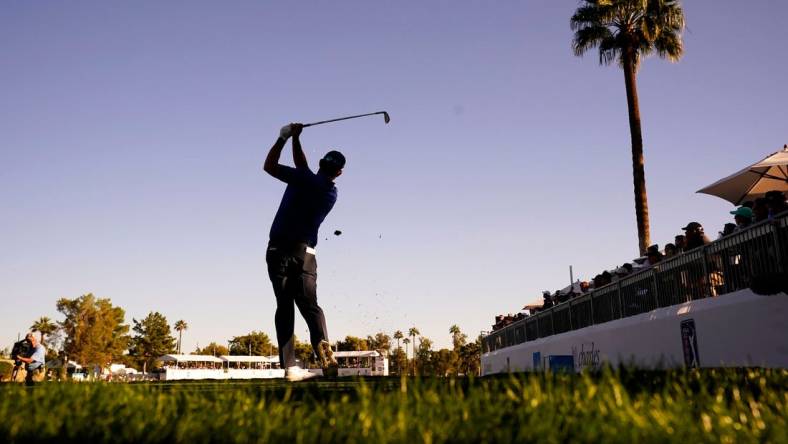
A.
x: 760, y: 210
x: 561, y: 297
x: 621, y: 272
x: 743, y: 217
x: 681, y: 243
x: 670, y: 250
x: 35, y: 363
x: 548, y: 299
x: 727, y: 230
x: 775, y: 202
x: 653, y: 256
x: 695, y: 236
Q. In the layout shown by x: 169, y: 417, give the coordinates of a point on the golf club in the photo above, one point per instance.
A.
x: 385, y: 118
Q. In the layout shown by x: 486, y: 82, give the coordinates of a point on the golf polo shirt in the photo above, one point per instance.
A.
x: 307, y: 200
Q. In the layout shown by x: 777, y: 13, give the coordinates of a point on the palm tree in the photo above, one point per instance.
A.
x: 406, y: 341
x: 45, y: 326
x: 180, y: 326
x: 626, y: 31
x: 413, y: 332
x: 398, y: 335
x: 455, y: 333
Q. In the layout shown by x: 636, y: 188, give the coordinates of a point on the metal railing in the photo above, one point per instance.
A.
x: 724, y: 266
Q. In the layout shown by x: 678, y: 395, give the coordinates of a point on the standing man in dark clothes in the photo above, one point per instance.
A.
x: 292, y: 267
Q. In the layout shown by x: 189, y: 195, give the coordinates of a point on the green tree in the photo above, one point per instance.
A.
x: 413, y: 332
x: 45, y: 326
x: 380, y: 342
x: 470, y: 358
x: 398, y: 335
x: 305, y: 353
x: 627, y: 31
x: 352, y: 343
x: 458, y: 338
x: 255, y: 343
x: 212, y: 349
x: 398, y: 362
x: 180, y: 326
x: 406, y: 341
x: 94, y: 330
x: 422, y: 362
x: 443, y: 362
x: 152, y: 339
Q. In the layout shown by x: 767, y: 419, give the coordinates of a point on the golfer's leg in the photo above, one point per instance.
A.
x: 306, y: 300
x: 285, y: 313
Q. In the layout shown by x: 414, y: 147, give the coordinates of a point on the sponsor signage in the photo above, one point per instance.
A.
x: 587, y: 356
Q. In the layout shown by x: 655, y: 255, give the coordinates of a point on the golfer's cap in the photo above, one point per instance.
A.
x: 335, y: 158
x: 742, y: 211
x: 692, y: 226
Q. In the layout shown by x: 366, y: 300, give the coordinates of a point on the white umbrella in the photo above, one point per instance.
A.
x: 754, y: 181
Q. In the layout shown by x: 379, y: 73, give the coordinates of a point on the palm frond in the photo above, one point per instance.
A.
x: 583, y: 17
x: 609, y: 50
x: 669, y: 45
x: 616, y: 26
x: 588, y: 38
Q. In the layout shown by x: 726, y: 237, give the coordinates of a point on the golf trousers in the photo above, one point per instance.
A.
x: 293, y: 273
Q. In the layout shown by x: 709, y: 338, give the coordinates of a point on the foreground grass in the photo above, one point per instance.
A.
x: 731, y: 406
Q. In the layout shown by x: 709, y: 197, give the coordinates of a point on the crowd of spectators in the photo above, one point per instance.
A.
x: 748, y: 214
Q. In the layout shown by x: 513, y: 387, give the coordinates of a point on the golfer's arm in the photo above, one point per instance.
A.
x: 299, y: 158
x: 25, y: 360
x: 271, y: 165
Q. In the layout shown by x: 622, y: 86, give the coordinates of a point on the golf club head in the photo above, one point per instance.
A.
x: 386, y: 117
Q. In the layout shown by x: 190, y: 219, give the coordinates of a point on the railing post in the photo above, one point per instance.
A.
x: 620, y: 303
x: 706, y: 281
x: 779, y: 250
x: 654, y: 282
x: 570, y: 314
x: 610, y: 302
x: 552, y: 321
x: 591, y: 305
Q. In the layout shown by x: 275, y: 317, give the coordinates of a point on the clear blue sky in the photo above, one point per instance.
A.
x: 132, y: 135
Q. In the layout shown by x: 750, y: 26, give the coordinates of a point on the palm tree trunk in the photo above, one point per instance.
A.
x: 180, y: 337
x: 638, y: 171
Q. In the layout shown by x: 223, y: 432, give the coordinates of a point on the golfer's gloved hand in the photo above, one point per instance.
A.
x: 296, y: 128
x: 286, y: 132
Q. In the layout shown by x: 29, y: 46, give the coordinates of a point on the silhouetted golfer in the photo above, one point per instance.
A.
x: 292, y: 267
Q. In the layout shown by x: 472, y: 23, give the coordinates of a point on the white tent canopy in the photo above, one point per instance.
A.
x: 242, y: 358
x: 356, y: 354
x: 189, y: 358
x: 753, y: 182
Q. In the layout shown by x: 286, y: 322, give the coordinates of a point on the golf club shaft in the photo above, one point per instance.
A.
x: 342, y: 118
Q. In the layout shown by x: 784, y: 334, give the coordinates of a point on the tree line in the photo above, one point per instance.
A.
x: 94, y: 332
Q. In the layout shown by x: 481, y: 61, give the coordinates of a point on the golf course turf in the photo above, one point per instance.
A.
x: 731, y: 406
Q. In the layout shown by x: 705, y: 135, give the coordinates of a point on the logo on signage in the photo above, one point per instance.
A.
x: 587, y: 356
